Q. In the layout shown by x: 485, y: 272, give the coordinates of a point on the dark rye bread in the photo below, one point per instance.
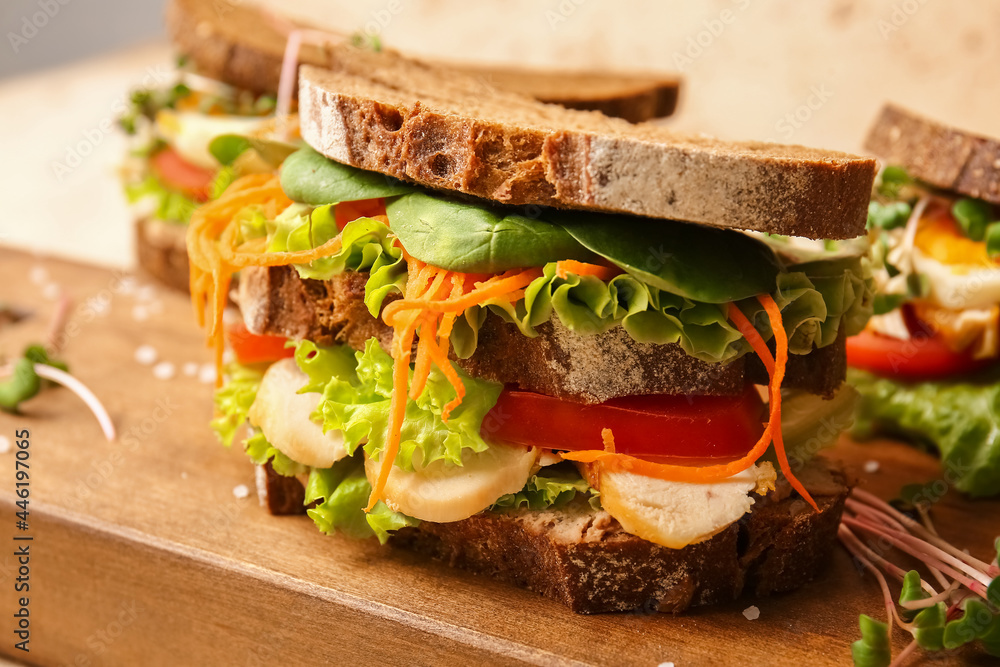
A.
x: 162, y: 251
x: 630, y: 96
x: 943, y: 156
x: 584, y: 559
x: 239, y: 44
x: 558, y: 362
x: 416, y: 122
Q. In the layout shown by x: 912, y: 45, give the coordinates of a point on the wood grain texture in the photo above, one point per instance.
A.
x: 143, y: 555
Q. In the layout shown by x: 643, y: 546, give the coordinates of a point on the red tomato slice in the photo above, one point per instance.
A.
x: 693, y: 428
x: 253, y: 349
x: 923, y: 357
x: 179, y: 174
x: 349, y: 211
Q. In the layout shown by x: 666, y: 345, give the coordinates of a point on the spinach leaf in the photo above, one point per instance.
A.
x: 472, y: 238
x: 311, y: 178
x: 693, y: 261
x: 973, y: 216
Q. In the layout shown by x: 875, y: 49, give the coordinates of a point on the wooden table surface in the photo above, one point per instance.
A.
x: 144, y: 555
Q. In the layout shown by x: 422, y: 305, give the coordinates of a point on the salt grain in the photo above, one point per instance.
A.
x: 190, y: 369
x: 751, y: 613
x: 39, y: 274
x: 872, y: 466
x: 145, y: 293
x: 184, y: 475
x: 164, y: 370
x: 51, y: 291
x: 228, y: 357
x: 140, y: 313
x: 666, y: 664
x: 5, y: 445
x: 206, y: 374
x: 146, y: 354
x: 241, y: 491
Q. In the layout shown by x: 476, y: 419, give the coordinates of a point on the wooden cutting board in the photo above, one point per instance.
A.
x: 143, y: 555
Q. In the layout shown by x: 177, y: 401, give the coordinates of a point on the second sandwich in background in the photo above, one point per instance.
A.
x: 228, y: 82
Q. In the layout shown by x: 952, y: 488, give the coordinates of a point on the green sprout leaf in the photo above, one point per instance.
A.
x: 873, y: 649
x: 974, y: 622
x: 911, y: 592
x: 929, y: 627
x: 993, y: 239
x: 973, y: 216
x: 892, y: 181
x: 888, y: 216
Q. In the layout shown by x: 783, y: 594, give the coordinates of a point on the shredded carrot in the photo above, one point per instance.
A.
x: 706, y: 474
x: 568, y: 266
x: 216, y: 252
x: 609, y: 440
x: 434, y: 298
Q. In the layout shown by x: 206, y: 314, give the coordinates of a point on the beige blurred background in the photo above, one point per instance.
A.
x: 796, y: 72
x: 812, y: 73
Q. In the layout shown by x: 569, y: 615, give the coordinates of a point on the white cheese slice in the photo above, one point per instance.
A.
x: 283, y: 416
x: 676, y: 514
x: 190, y: 132
x: 442, y: 492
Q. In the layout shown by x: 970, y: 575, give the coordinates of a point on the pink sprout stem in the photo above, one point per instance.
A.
x: 854, y: 545
x: 904, y: 654
x: 81, y: 390
x: 915, y: 526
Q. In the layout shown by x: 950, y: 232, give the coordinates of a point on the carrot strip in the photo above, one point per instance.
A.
x: 482, y: 292
x: 750, y: 332
x: 397, y: 411
x: 781, y: 358
x: 568, y: 266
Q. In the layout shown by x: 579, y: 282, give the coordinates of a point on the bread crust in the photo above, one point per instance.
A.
x: 410, y: 121
x: 162, y: 251
x: 945, y: 157
x: 237, y: 44
x: 583, y: 558
x: 558, y: 362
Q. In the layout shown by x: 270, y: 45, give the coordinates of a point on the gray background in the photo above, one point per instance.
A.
x: 78, y: 29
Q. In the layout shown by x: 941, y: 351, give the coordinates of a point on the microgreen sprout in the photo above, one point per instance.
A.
x: 962, y: 608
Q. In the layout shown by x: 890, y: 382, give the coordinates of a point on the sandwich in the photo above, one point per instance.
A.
x: 585, y: 357
x: 227, y: 85
x: 926, y: 364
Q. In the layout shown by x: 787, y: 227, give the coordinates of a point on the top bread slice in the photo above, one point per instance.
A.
x: 414, y: 121
x: 238, y: 43
x: 935, y: 153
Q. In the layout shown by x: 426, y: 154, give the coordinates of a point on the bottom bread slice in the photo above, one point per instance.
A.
x: 162, y: 251
x: 583, y: 558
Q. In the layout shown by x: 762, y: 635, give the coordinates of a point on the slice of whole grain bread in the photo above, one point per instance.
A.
x: 414, y: 121
x: 943, y: 156
x: 583, y: 558
x: 558, y: 362
x: 162, y: 251
x: 237, y: 43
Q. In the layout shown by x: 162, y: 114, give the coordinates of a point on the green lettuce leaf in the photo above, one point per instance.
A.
x: 308, y: 177
x: 171, y: 206
x: 341, y: 494
x: 552, y: 486
x: 472, y: 238
x: 356, y: 402
x: 818, y: 300
x: 233, y: 400
x: 261, y: 451
x: 365, y: 246
x: 959, y: 419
